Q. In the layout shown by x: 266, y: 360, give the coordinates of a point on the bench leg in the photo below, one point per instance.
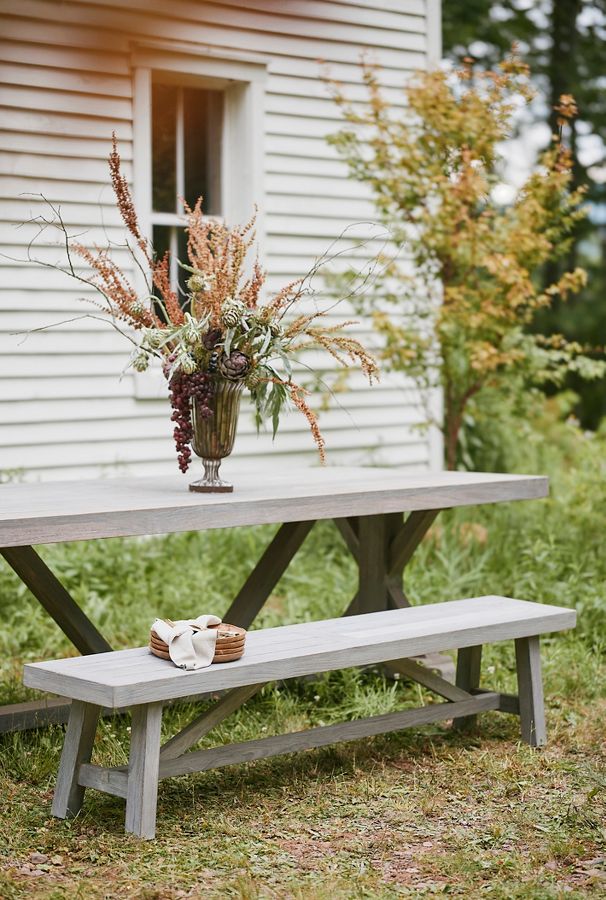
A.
x: 77, y: 749
x: 143, y: 768
x: 530, y: 690
x: 469, y: 661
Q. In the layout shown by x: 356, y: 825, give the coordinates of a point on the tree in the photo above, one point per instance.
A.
x: 461, y: 318
x: 564, y: 41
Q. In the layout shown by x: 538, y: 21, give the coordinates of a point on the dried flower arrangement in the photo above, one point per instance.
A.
x: 221, y: 328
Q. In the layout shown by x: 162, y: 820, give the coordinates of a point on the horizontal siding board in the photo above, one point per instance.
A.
x: 309, y: 107
x: 48, y: 32
x: 43, y: 121
x: 27, y: 365
x: 319, y: 207
x: 46, y: 251
x: 23, y: 208
x: 318, y: 88
x: 72, y: 80
x: 53, y: 57
x: 306, y: 185
x: 30, y: 165
x: 27, y: 381
x: 111, y: 108
x: 58, y: 145
x: 348, y: 71
x: 27, y: 189
x: 303, y: 126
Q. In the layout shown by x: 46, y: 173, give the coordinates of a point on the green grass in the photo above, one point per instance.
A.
x: 416, y: 814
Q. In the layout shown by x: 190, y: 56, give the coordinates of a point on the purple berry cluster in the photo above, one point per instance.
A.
x: 185, y: 389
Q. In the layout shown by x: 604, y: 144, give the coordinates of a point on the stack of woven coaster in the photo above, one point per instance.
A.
x: 195, y: 643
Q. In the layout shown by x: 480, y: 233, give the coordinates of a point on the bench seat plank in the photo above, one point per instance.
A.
x: 131, y: 677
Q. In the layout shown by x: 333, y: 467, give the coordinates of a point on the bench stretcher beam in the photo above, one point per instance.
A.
x: 115, y: 781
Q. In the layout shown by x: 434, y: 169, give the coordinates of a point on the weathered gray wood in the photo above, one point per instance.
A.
x: 110, y: 781
x: 77, y: 749
x: 142, y: 784
x: 408, y: 538
x: 469, y: 664
x: 207, y: 721
x: 370, y: 539
x: 201, y: 760
x: 382, y: 546
x: 508, y: 703
x: 349, y: 534
x: 440, y: 663
x: 33, y: 714
x: 267, y: 573
x: 58, y: 603
x: 56, y: 511
x: 416, y: 671
x: 129, y: 677
x: 530, y: 691
x: 372, y: 564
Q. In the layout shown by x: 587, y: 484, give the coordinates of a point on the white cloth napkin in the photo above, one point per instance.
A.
x: 189, y: 648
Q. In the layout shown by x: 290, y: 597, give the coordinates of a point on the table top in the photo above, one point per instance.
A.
x: 82, y: 510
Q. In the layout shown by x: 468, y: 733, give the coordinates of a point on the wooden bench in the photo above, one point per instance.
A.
x: 135, y: 678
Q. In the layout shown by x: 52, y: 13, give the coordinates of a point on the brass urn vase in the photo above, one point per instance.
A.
x: 213, y: 436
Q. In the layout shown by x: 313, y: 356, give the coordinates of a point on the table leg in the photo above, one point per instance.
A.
x: 383, y: 546
x: 58, y: 603
x: 72, y: 621
x: 266, y: 574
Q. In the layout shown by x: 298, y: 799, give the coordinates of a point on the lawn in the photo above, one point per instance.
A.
x: 421, y: 813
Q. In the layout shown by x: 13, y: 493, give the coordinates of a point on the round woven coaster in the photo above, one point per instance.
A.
x: 228, y: 657
x: 161, y: 654
x: 217, y: 658
x: 225, y: 631
x: 221, y: 646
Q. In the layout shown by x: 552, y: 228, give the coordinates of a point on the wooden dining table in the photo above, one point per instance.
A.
x: 382, y: 515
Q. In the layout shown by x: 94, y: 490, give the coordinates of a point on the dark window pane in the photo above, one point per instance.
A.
x: 161, y: 240
x: 164, y: 159
x: 203, y: 125
x: 183, y: 273
x: 161, y: 237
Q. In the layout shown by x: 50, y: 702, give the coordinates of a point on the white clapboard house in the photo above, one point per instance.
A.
x: 224, y: 98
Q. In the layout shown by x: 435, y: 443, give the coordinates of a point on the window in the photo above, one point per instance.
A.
x: 198, y: 126
x: 186, y: 153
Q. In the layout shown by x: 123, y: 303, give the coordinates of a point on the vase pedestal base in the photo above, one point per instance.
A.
x: 199, y: 487
x: 211, y: 483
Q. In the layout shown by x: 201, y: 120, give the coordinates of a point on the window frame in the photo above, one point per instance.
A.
x: 242, y: 79
x: 175, y: 220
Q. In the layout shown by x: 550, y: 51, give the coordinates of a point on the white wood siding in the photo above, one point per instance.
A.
x: 66, y: 82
